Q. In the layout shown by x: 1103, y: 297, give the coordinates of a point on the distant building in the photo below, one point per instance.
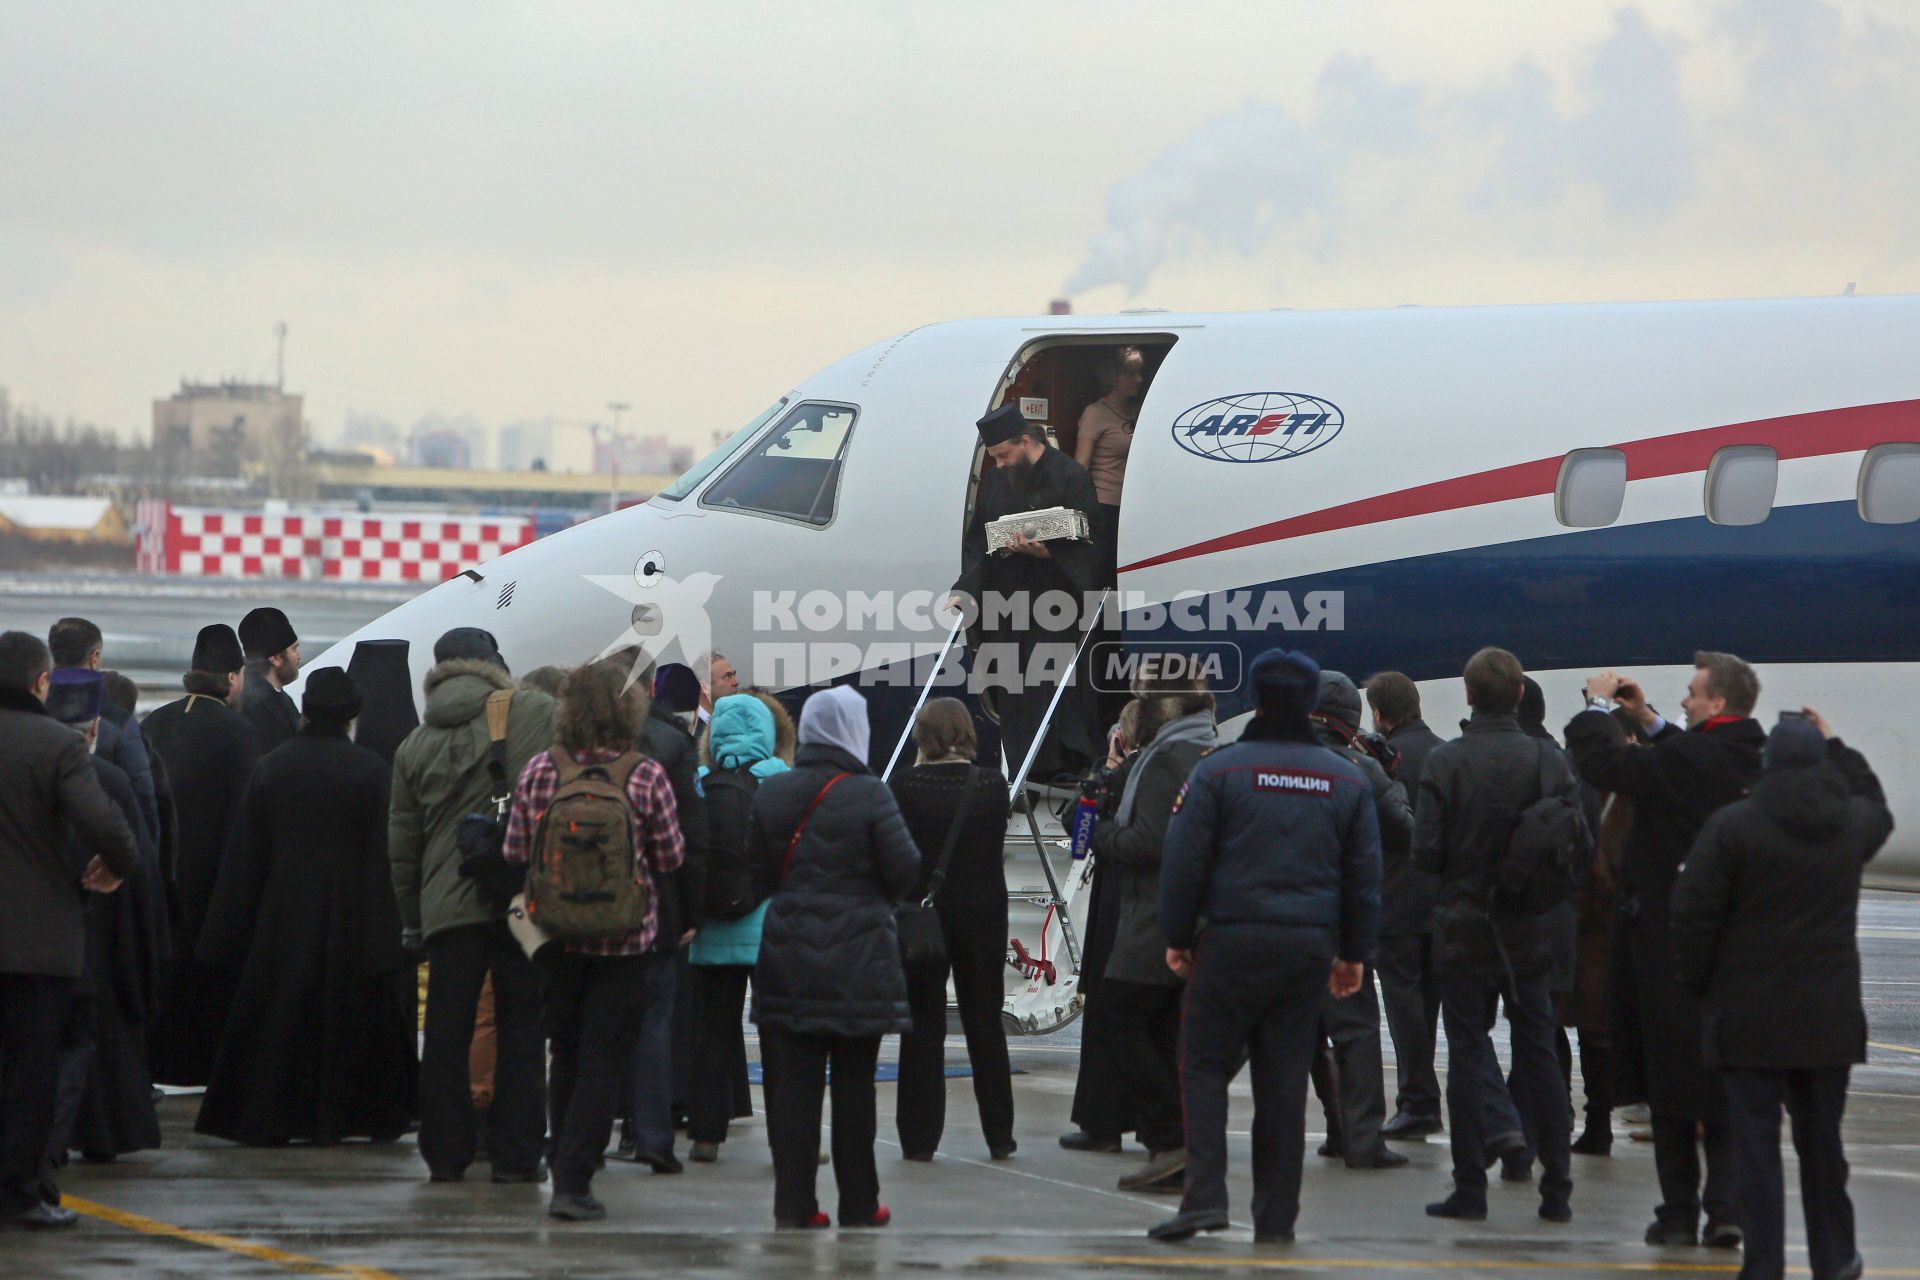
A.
x: 441, y: 441
x: 45, y: 518
x: 550, y: 445
x: 442, y: 449
x: 245, y: 420
x: 640, y: 455
x: 372, y: 430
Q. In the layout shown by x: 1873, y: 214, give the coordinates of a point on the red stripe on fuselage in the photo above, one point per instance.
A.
x: 1799, y: 435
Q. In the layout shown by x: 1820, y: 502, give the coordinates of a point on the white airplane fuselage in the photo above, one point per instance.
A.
x: 1393, y: 473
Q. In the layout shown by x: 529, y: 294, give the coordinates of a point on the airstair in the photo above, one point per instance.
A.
x: 1047, y: 887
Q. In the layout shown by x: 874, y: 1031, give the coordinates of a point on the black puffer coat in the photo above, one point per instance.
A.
x: 662, y: 740
x: 829, y: 956
x: 1764, y: 914
x: 1675, y: 785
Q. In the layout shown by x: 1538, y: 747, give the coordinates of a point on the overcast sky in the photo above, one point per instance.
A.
x: 512, y: 210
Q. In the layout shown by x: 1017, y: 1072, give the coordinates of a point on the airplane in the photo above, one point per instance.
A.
x: 1603, y: 486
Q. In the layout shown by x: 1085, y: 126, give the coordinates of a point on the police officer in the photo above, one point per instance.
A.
x: 1275, y: 843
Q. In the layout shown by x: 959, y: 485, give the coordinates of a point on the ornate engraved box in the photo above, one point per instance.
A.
x: 1046, y: 525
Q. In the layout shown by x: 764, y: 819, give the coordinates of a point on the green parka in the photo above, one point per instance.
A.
x: 440, y: 775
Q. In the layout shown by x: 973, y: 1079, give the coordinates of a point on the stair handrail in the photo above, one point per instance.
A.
x: 953, y: 633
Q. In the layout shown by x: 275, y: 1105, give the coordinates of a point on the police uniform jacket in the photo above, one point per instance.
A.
x: 1276, y: 833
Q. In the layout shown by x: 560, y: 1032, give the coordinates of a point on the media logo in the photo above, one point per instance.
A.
x: 1258, y: 426
x: 1121, y: 666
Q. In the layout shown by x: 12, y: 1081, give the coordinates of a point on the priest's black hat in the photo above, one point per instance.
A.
x: 73, y: 696
x: 331, y: 697
x: 1002, y: 425
x: 217, y: 649
x: 265, y: 632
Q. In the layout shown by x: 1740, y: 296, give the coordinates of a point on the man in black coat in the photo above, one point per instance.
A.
x: 1018, y: 641
x: 106, y: 1105
x: 76, y: 644
x: 273, y: 662
x: 1138, y: 992
x: 1408, y: 988
x: 47, y: 788
x: 1471, y: 792
x: 1675, y: 784
x: 209, y: 750
x: 1763, y: 931
x: 1352, y: 1023
x: 657, y: 1078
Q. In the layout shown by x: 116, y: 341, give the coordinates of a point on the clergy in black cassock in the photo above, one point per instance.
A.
x: 318, y: 1045
x: 207, y: 751
x: 1025, y: 653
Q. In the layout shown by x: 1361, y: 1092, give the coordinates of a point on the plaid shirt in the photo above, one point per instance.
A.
x: 658, y: 837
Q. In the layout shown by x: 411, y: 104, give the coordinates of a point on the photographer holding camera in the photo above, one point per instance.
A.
x: 1676, y: 784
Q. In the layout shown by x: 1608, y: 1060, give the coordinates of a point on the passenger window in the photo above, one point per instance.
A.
x: 1740, y: 484
x: 1592, y: 485
x: 1890, y: 484
x: 794, y: 473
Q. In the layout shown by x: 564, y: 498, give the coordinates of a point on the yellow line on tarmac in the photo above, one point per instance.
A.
x: 1893, y: 1048
x: 1256, y: 1262
x: 264, y: 1253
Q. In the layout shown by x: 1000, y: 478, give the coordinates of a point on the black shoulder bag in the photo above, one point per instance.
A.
x: 917, y: 923
x: 479, y: 836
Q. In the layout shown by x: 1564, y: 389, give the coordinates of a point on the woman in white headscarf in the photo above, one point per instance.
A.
x: 829, y: 982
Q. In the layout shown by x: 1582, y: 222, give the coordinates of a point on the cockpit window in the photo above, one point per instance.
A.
x: 794, y: 473
x: 699, y: 471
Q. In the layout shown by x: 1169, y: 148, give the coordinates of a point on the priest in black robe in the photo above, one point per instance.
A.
x: 208, y: 750
x: 273, y: 662
x: 1022, y: 651
x: 318, y: 1046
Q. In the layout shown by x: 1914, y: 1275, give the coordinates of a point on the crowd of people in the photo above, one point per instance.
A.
x: 596, y: 866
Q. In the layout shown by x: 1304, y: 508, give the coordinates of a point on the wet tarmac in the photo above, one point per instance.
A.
x: 208, y: 1210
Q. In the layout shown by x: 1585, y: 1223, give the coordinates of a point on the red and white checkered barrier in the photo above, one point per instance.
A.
x: 340, y: 547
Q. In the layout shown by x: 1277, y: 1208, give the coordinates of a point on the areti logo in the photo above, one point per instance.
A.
x: 1258, y: 426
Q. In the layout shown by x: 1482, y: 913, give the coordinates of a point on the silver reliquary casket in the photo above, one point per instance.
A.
x: 1049, y: 524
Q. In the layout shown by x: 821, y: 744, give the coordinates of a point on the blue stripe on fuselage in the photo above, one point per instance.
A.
x: 1813, y: 583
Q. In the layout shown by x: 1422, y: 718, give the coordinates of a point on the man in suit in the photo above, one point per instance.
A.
x: 48, y: 788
